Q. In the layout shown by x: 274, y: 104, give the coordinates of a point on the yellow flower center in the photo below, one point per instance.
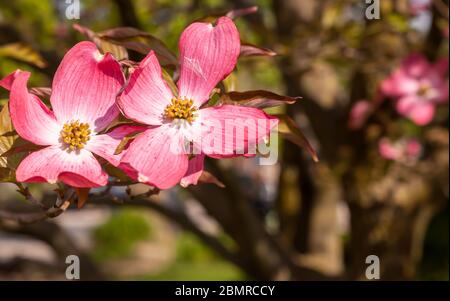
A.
x: 423, y: 90
x: 181, y: 109
x: 75, y: 134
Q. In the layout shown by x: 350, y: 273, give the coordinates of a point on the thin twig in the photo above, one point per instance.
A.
x: 57, y: 209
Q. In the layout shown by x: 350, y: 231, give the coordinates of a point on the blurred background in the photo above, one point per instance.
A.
x: 295, y: 220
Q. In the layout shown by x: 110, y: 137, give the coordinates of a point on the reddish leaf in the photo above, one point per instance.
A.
x: 140, y: 41
x: 207, y: 177
x: 253, y: 50
x: 119, y: 52
x: 290, y: 131
x: 233, y: 14
x: 240, y: 12
x: 257, y: 99
x: 123, y: 33
x: 42, y: 92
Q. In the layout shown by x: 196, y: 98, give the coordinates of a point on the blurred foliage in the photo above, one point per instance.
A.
x: 195, y: 261
x: 120, y: 233
x: 212, y: 271
x: 189, y: 249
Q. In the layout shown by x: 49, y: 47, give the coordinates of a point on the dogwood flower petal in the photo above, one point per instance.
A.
x: 208, y: 53
x: 156, y: 157
x: 195, y: 169
x: 146, y: 94
x: 105, y: 145
x: 85, y: 86
x: 8, y: 80
x: 230, y: 130
x: 52, y: 164
x: 32, y: 120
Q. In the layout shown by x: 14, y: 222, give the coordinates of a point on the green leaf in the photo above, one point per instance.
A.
x: 8, y: 140
x: 125, y: 141
x: 23, y: 53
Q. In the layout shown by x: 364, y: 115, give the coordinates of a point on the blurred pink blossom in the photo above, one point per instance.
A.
x: 402, y: 150
x: 359, y: 113
x: 418, y: 6
x: 418, y: 86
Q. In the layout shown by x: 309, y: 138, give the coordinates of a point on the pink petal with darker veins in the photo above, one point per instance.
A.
x: 8, y: 80
x: 155, y: 157
x: 32, y: 120
x: 146, y: 94
x: 52, y: 164
x: 85, y: 87
x: 230, y: 130
x: 208, y: 53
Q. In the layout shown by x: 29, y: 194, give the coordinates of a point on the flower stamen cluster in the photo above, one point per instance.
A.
x: 75, y: 134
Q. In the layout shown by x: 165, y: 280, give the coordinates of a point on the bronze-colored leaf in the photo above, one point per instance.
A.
x: 115, y: 172
x: 290, y: 131
x: 42, y: 92
x: 233, y: 14
x: 83, y: 195
x: 123, y: 33
x: 240, y: 12
x: 125, y: 141
x: 119, y: 52
x: 140, y: 41
x: 20, y: 146
x: 8, y: 139
x: 253, y: 50
x: 173, y: 87
x: 256, y: 99
x: 207, y: 177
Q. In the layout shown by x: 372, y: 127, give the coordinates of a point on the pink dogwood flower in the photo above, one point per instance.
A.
x: 402, y: 150
x: 83, y: 102
x: 418, y: 87
x: 158, y: 156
